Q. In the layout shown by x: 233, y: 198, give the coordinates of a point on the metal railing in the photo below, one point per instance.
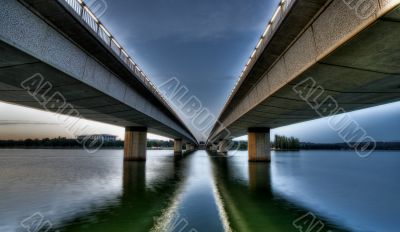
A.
x: 273, y: 24
x: 83, y: 11
x: 279, y: 14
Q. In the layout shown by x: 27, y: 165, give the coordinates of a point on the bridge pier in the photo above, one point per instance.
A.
x: 189, y: 147
x: 178, y: 147
x: 222, y: 146
x: 259, y: 144
x: 135, y: 144
x: 214, y: 147
x: 210, y: 147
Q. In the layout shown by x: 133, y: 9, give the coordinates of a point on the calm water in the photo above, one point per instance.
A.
x: 74, y: 191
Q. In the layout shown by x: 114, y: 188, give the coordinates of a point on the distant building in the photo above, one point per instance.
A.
x: 104, y: 137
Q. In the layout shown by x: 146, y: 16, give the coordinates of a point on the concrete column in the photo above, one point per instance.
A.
x: 135, y: 144
x: 213, y: 147
x: 259, y: 145
x: 178, y: 147
x: 222, y: 146
x: 189, y: 147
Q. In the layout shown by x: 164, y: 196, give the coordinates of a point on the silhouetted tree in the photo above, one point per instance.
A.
x: 286, y: 143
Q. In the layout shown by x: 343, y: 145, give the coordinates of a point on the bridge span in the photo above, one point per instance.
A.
x: 62, y: 45
x: 315, y: 59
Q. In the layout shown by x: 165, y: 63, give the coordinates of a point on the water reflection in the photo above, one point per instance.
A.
x: 196, y: 204
x: 81, y: 192
x: 259, y: 178
x: 359, y: 194
x: 60, y: 184
x: 149, y: 189
x: 249, y: 201
x: 134, y: 178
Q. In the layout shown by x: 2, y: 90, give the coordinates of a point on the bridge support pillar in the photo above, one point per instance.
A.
x: 189, y: 147
x: 178, y: 147
x: 135, y: 144
x: 222, y: 146
x: 214, y: 147
x: 259, y: 145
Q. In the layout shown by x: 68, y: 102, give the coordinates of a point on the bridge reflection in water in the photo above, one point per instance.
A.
x: 77, y: 192
x: 148, y: 189
x: 210, y: 192
x: 250, y: 202
x: 156, y: 191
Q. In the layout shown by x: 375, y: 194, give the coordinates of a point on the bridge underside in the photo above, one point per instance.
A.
x: 93, y: 80
x: 363, y: 72
x: 92, y: 104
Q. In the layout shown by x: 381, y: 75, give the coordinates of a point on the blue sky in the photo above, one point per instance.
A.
x: 205, y: 45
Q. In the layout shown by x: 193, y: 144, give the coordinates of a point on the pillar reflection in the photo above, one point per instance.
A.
x: 259, y: 177
x: 134, y: 177
x: 148, y: 189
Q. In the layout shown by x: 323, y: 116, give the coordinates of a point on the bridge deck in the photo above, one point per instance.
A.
x: 344, y: 54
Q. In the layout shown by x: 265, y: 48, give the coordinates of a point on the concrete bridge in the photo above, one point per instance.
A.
x: 76, y: 65
x: 315, y: 59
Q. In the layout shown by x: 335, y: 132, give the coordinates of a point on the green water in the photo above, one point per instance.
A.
x: 75, y: 191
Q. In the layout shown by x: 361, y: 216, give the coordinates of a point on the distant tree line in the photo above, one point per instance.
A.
x: 160, y: 143
x: 345, y: 146
x: 62, y: 142
x: 242, y: 145
x: 286, y: 143
x: 281, y: 143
